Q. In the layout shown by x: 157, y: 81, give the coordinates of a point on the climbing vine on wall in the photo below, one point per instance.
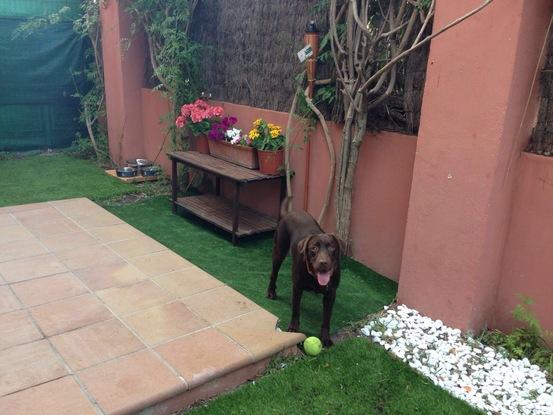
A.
x: 173, y: 56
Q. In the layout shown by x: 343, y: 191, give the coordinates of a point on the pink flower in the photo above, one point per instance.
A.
x: 180, y: 122
x: 185, y: 110
x: 217, y: 111
x: 200, y: 104
x: 197, y: 115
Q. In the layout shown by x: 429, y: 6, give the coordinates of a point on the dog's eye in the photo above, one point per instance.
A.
x: 313, y: 251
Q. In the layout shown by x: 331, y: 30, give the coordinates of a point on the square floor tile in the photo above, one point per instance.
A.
x: 165, y: 322
x: 63, y: 242
x: 21, y: 249
x: 115, y: 233
x: 28, y: 206
x: 77, y: 207
x: 58, y: 397
x: 87, y: 256
x: 187, y: 282
x: 7, y: 219
x: 132, y: 298
x: 54, y: 227
x: 8, y: 301
x: 17, y: 328
x: 137, y: 247
x: 130, y: 383
x: 69, y: 314
x: 48, y: 289
x: 35, y: 216
x: 160, y: 263
x: 115, y: 274
x: 29, y: 268
x: 95, y: 344
x: 219, y: 304
x: 204, y: 355
x: 28, y: 365
x: 257, y: 332
x: 12, y: 233
x: 98, y: 220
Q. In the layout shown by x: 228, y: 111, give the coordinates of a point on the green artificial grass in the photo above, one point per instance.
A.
x: 247, y: 267
x: 55, y: 176
x: 353, y: 377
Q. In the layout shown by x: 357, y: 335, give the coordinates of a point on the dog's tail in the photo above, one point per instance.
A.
x: 286, y: 206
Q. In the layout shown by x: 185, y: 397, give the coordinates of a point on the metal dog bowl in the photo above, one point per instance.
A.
x: 138, y: 163
x: 150, y: 171
x: 126, y: 172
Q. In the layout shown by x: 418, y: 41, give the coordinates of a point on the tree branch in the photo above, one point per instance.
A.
x: 423, y: 42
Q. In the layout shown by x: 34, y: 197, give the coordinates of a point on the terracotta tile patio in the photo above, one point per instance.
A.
x: 98, y: 318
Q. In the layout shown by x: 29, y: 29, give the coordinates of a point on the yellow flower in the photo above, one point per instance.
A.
x: 272, y: 126
x: 257, y: 122
x: 275, y: 132
x: 253, y: 134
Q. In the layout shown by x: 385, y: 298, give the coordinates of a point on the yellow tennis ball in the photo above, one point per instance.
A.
x: 312, y: 346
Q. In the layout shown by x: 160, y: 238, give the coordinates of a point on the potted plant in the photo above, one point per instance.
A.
x: 267, y: 138
x: 226, y: 142
x: 199, y: 116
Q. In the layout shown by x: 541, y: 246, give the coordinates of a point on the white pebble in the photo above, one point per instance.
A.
x: 469, y: 370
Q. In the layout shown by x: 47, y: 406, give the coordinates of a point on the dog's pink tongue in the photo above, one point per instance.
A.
x: 323, y: 278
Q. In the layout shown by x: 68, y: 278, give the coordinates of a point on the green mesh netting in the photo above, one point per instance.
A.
x: 37, y: 78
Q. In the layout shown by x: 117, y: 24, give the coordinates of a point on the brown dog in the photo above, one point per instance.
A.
x: 315, y: 265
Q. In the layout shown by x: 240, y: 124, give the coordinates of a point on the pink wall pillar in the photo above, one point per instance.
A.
x: 478, y: 82
x: 124, y: 58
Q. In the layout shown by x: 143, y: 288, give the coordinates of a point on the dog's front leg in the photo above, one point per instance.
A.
x: 328, y: 303
x: 296, y: 300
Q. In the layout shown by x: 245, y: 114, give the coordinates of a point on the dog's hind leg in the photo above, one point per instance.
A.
x: 281, y: 245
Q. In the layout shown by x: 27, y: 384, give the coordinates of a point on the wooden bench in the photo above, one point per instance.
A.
x: 226, y: 214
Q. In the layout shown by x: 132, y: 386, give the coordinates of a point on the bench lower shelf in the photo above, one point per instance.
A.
x: 218, y: 211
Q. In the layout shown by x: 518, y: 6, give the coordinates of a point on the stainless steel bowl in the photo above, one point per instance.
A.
x: 126, y: 172
x: 139, y: 163
x: 150, y: 171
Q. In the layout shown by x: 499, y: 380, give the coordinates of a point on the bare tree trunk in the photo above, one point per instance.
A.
x: 343, y: 221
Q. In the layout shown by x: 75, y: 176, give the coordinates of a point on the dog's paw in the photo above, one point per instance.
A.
x: 271, y: 294
x: 293, y: 327
x: 327, y: 342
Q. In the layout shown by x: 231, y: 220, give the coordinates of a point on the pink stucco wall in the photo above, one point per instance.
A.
x: 528, y: 260
x: 473, y: 106
x: 124, y: 60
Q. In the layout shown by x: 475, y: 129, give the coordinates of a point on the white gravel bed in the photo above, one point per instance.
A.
x: 465, y: 367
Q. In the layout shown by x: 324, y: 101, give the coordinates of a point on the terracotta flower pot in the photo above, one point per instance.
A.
x: 237, y: 154
x: 270, y: 162
x: 201, y: 144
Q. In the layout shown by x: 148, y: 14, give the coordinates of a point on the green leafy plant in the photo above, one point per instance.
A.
x: 173, y: 55
x: 82, y: 147
x: 528, y: 341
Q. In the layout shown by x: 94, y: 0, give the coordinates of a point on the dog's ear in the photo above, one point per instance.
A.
x: 302, y: 245
x: 341, y: 244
